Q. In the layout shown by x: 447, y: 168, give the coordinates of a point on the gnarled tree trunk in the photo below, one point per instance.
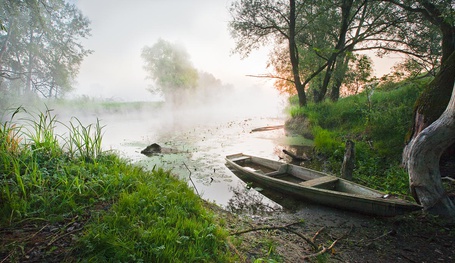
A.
x: 424, y: 153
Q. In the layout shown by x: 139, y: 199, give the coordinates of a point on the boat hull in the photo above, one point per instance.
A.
x: 319, y: 187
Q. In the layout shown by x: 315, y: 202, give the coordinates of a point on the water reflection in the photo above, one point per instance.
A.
x: 246, y: 200
x: 199, y: 154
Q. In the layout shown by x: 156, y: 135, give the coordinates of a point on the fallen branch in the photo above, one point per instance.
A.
x: 283, y: 228
x: 58, y: 237
x: 324, y: 249
x: 231, y: 246
x: 448, y: 178
x: 381, y: 236
x: 317, y: 233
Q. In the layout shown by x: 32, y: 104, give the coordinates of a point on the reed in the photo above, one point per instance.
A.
x: 84, y: 141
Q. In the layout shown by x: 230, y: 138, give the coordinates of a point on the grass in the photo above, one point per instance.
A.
x: 378, y: 124
x: 90, y: 105
x: 129, y: 214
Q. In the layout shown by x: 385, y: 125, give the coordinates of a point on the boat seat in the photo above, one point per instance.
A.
x: 321, y: 181
x: 241, y: 158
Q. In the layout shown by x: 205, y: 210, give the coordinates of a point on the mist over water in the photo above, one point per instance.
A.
x: 205, y: 125
x: 200, y: 136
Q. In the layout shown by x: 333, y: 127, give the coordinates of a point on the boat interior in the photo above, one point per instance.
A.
x: 283, y: 172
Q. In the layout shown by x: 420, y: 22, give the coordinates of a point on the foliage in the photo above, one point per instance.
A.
x: 154, y: 217
x: 40, y: 48
x: 378, y: 126
x: 169, y: 66
x: 328, y: 33
x: 360, y: 73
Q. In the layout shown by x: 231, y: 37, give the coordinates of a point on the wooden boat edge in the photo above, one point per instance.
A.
x: 397, y: 204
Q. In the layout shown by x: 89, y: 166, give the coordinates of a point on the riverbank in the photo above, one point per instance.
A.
x: 337, y: 236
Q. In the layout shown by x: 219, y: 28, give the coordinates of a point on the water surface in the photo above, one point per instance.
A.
x: 198, y: 151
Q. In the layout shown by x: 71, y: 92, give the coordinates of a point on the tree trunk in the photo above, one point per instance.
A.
x: 348, y: 161
x: 294, y: 56
x: 342, y: 67
x: 345, y: 15
x: 433, y: 101
x: 425, y: 151
x: 431, y: 104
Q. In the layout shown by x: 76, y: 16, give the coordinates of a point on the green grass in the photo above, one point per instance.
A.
x: 153, y: 217
x: 156, y: 224
x: 90, y: 105
x: 377, y: 124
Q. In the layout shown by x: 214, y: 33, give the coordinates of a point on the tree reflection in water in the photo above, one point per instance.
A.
x: 246, y: 200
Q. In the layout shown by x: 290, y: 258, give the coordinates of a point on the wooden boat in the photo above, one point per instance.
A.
x: 318, y: 187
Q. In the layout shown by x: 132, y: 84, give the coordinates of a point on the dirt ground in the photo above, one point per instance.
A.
x: 318, y: 234
x: 310, y: 233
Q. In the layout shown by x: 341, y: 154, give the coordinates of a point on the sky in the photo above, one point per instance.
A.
x: 120, y: 29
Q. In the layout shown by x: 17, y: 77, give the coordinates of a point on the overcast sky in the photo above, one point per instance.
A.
x: 120, y: 29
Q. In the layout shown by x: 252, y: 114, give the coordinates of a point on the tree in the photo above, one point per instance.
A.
x: 425, y: 151
x: 424, y: 180
x: 322, y: 32
x: 39, y: 47
x: 169, y: 66
x: 256, y: 23
x: 359, y: 74
x: 346, y: 6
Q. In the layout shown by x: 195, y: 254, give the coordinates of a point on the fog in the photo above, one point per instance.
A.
x: 212, y: 124
x: 120, y: 29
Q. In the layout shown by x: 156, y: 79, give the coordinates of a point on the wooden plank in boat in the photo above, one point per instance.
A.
x: 241, y: 158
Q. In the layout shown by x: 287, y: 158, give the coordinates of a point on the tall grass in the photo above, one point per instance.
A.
x: 84, y: 140
x: 34, y: 172
x: 153, y: 217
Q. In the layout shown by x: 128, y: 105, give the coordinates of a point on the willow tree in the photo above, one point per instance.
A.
x: 424, y: 154
x: 169, y: 67
x: 322, y: 32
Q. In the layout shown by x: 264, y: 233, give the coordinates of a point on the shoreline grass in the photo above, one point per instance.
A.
x: 128, y: 214
x: 377, y: 123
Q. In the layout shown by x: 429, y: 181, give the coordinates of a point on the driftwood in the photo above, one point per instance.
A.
x: 296, y: 157
x: 268, y: 128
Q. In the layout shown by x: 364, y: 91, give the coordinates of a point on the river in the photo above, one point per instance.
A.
x: 198, y: 150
